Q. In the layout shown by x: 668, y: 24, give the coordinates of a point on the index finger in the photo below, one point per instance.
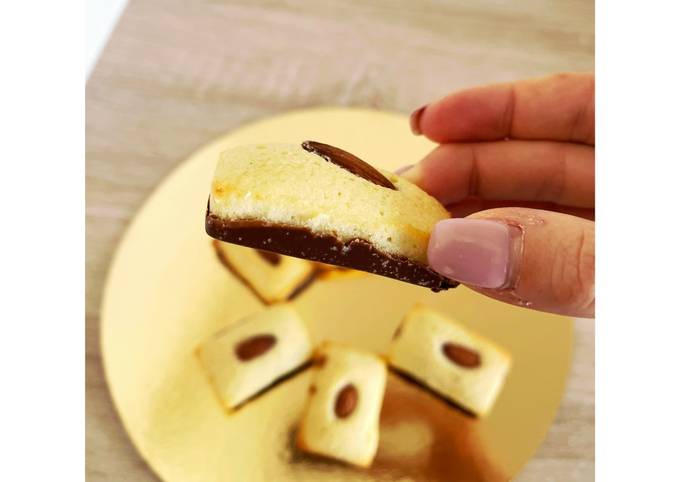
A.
x: 560, y: 108
x: 557, y: 172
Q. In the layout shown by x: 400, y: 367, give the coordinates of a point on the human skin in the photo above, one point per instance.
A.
x: 515, y: 166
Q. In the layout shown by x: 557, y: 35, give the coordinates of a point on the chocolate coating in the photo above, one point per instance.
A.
x: 407, y: 377
x: 303, y: 243
x: 275, y: 383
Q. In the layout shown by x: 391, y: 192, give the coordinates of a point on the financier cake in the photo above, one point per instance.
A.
x: 249, y: 356
x: 343, y: 412
x: 321, y: 203
x: 450, y: 359
x: 271, y: 276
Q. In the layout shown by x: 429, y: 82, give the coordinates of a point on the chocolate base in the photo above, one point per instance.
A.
x: 275, y: 383
x: 255, y: 396
x: 303, y: 243
x: 410, y: 379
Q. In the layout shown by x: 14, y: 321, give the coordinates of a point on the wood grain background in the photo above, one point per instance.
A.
x: 176, y: 74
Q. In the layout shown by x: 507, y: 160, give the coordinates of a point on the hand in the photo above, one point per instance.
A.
x: 518, y: 160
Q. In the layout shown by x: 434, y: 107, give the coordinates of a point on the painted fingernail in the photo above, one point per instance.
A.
x: 403, y: 169
x: 411, y: 173
x: 477, y: 252
x: 414, y: 120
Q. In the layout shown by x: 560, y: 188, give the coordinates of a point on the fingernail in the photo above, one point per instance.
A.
x: 414, y: 120
x: 411, y: 173
x: 403, y: 169
x: 477, y: 252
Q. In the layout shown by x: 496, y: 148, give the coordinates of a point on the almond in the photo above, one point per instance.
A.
x: 349, y: 162
x: 346, y: 401
x: 461, y: 355
x: 254, y: 347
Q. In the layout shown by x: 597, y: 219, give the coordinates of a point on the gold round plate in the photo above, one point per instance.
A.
x: 167, y: 291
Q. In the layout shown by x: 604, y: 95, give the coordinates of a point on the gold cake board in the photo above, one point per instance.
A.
x: 167, y: 291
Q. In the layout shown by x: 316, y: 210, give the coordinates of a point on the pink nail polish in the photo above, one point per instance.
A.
x: 414, y: 120
x: 477, y: 252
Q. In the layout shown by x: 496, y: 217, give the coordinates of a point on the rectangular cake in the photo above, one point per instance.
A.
x: 250, y: 355
x: 449, y: 359
x: 343, y: 413
x: 318, y: 202
x: 271, y: 276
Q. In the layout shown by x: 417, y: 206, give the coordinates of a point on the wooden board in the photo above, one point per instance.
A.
x: 176, y: 74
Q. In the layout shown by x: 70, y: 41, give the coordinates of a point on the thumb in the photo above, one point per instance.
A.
x: 529, y: 257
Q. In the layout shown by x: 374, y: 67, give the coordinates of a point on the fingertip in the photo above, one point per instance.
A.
x: 433, y: 122
x: 443, y: 173
x: 555, y: 268
x: 473, y: 114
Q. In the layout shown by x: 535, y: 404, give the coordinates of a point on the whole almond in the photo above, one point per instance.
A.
x: 349, y: 162
x: 254, y: 346
x: 346, y: 401
x: 461, y: 355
